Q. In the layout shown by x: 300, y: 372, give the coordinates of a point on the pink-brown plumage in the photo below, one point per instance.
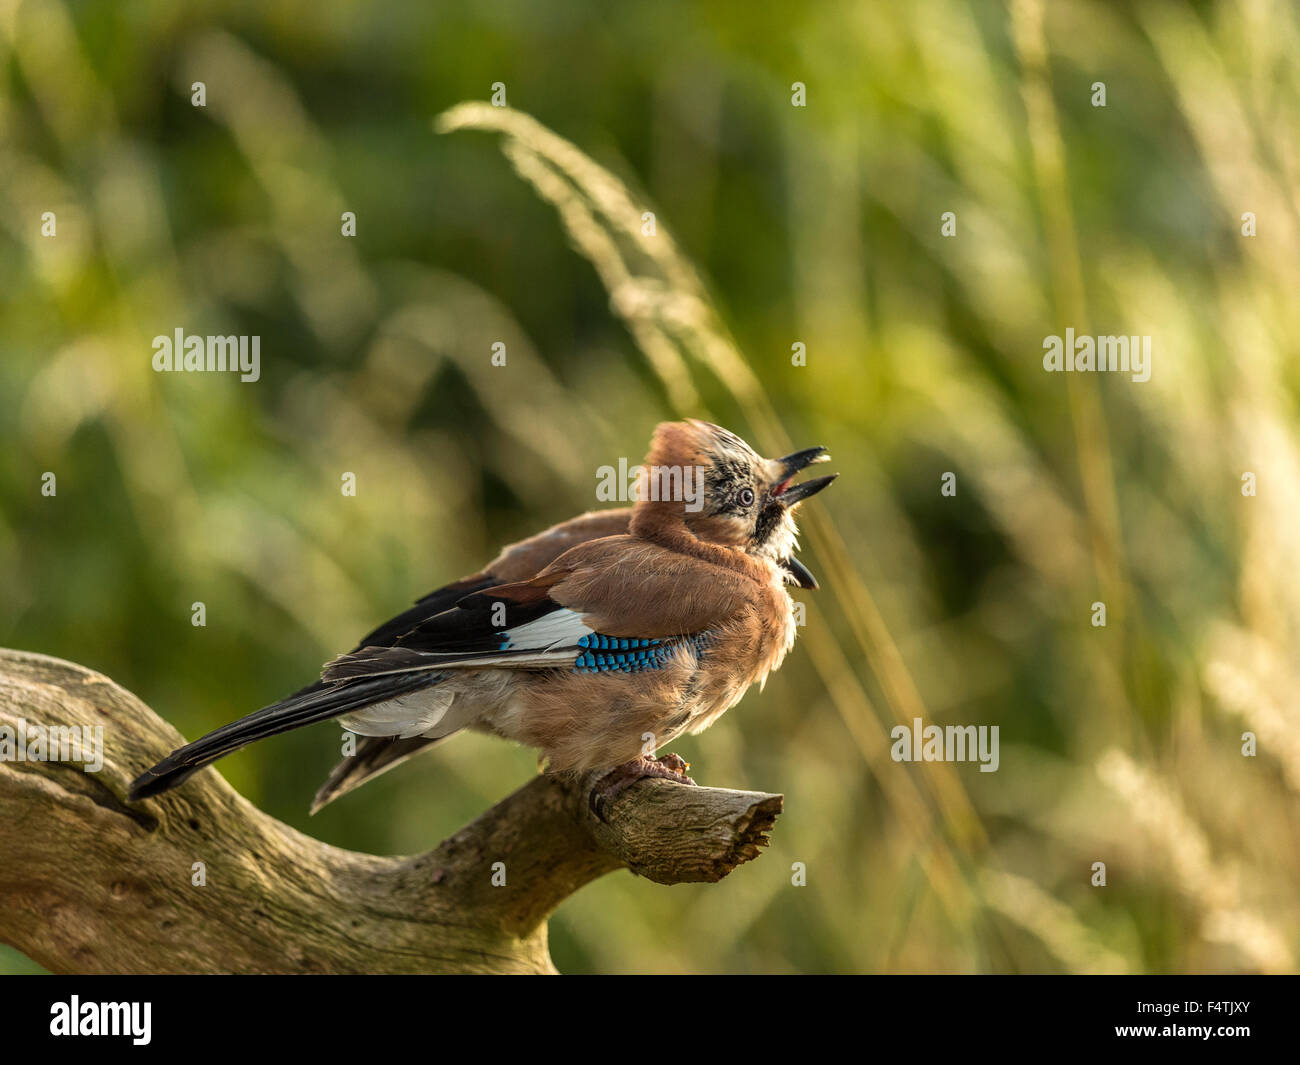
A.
x: 596, y: 642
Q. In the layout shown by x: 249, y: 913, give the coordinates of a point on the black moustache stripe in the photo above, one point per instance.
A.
x: 768, y: 519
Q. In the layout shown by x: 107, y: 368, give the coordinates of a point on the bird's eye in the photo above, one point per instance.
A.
x: 746, y: 497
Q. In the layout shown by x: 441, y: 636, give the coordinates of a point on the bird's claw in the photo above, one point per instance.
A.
x: 620, y: 778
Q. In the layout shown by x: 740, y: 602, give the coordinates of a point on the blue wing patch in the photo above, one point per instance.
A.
x: 618, y: 654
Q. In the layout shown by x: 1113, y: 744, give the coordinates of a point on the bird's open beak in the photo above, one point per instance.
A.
x: 802, y: 574
x: 790, y: 494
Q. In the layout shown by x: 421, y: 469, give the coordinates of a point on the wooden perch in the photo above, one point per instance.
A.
x: 90, y: 884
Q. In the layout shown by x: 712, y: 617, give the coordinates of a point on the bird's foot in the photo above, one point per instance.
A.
x: 620, y: 778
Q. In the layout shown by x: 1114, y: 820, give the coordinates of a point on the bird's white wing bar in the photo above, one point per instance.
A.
x: 559, y: 629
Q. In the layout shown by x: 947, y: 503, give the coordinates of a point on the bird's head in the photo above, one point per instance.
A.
x: 725, y: 492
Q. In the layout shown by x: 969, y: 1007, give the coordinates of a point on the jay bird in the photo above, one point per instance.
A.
x: 606, y: 636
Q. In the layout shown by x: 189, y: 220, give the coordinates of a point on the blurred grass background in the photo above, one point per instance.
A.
x: 776, y: 225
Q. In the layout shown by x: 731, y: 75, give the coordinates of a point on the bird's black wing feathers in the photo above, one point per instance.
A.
x: 435, y: 602
x: 481, y: 627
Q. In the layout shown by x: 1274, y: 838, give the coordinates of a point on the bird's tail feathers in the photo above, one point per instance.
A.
x: 374, y: 755
x: 318, y: 702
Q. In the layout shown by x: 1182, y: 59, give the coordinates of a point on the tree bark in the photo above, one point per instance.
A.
x: 92, y: 884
